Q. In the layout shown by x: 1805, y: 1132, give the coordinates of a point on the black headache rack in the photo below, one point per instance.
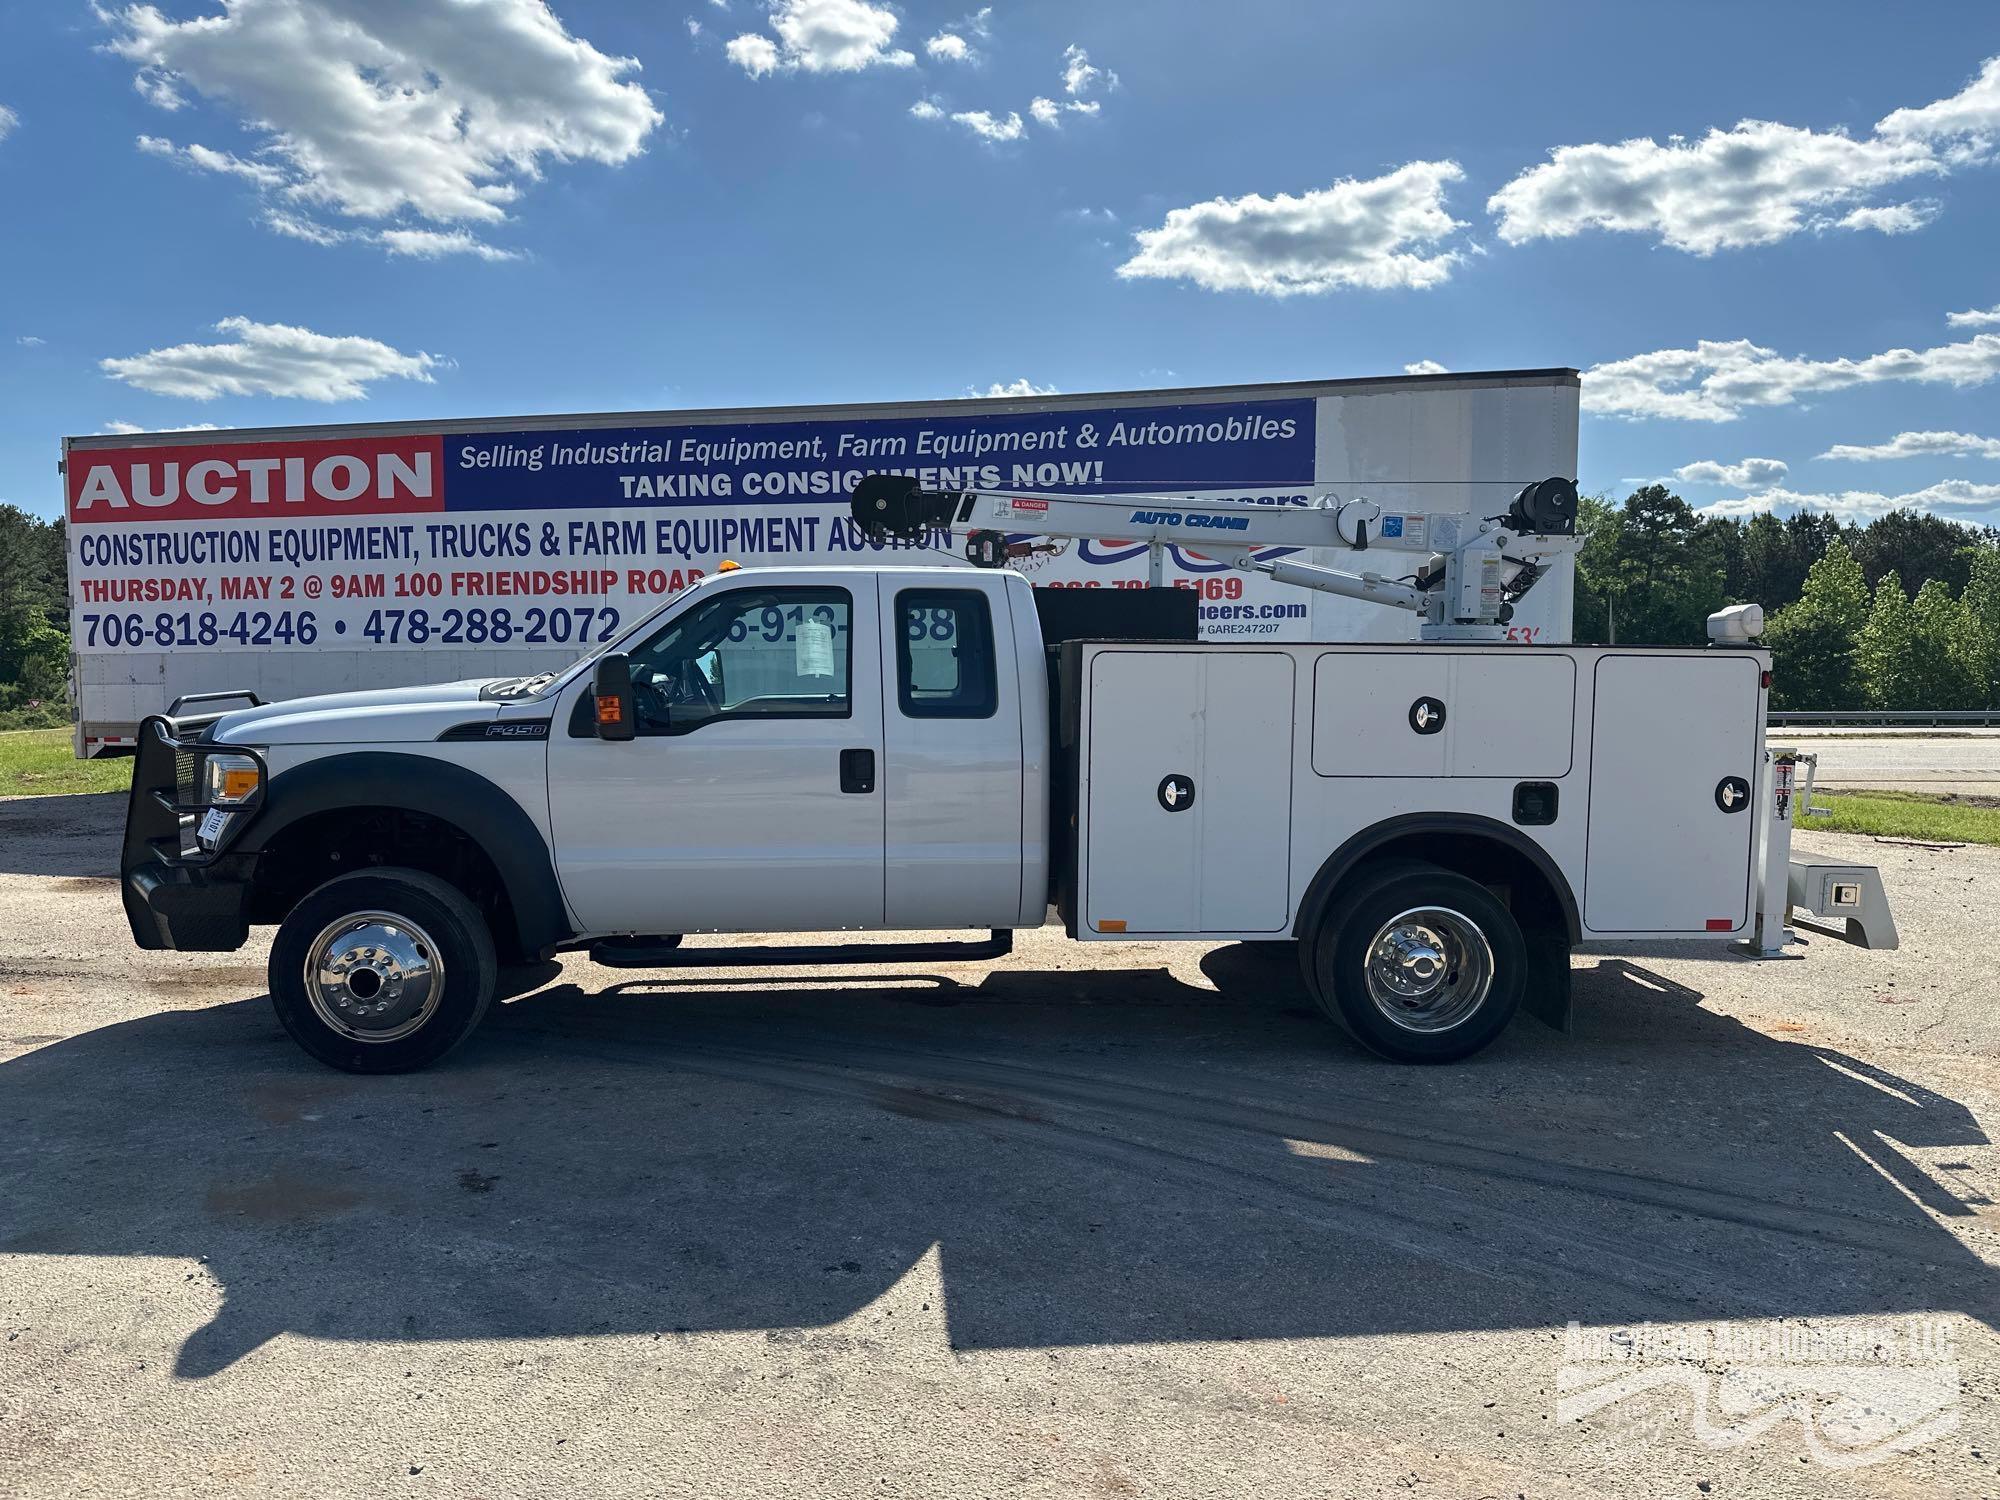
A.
x: 178, y: 894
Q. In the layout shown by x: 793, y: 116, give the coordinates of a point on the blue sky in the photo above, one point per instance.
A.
x: 355, y: 210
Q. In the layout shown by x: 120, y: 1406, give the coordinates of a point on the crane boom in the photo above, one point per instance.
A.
x: 1465, y: 588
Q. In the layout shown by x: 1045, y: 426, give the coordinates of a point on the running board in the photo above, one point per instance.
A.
x: 630, y: 955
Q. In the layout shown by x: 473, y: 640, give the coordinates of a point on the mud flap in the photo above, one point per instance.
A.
x: 1548, y: 996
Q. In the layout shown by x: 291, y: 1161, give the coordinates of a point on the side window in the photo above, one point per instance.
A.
x: 747, y: 653
x: 944, y: 654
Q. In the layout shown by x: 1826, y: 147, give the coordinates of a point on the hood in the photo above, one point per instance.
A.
x: 379, y: 716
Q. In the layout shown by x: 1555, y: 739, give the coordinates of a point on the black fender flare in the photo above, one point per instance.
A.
x: 487, y: 815
x: 1319, y: 892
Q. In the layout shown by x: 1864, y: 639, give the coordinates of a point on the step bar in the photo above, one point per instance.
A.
x: 630, y: 954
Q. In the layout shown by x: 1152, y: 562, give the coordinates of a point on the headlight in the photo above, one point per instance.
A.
x: 230, y: 779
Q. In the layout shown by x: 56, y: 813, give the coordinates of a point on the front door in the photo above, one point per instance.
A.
x: 750, y: 800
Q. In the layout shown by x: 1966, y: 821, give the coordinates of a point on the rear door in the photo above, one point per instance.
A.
x: 952, y: 764
x: 1673, y: 762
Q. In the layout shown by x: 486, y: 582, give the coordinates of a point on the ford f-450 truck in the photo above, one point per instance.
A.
x: 1436, y: 825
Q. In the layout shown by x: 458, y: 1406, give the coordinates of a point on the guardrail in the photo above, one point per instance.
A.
x: 1915, y: 719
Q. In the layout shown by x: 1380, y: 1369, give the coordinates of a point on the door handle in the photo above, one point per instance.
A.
x: 857, y: 770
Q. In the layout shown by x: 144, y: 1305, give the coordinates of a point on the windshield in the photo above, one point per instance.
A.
x: 534, y: 685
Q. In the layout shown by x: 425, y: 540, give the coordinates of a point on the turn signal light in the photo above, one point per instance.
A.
x: 237, y: 785
x: 609, y: 711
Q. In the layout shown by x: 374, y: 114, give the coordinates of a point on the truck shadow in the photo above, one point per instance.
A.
x: 1095, y: 1157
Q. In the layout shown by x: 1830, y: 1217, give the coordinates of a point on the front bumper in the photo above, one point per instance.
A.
x: 178, y: 894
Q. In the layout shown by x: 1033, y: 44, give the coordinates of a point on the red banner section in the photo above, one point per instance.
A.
x: 355, y: 476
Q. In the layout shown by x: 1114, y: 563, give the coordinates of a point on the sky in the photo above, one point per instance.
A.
x: 1768, y: 234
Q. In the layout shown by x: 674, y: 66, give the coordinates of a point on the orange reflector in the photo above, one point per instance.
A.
x: 236, y: 785
x: 1720, y: 924
x: 1111, y: 924
x: 726, y: 566
x: 609, y: 711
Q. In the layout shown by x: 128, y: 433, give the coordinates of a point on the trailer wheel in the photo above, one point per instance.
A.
x: 1419, y: 964
x: 382, y: 971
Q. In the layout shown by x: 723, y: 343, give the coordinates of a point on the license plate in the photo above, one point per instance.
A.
x: 212, y: 823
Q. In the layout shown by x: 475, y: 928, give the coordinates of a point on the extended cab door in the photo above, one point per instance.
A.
x: 751, y: 799
x: 953, y: 770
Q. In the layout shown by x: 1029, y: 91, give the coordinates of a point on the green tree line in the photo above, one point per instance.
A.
x: 34, y: 621
x: 1902, y: 613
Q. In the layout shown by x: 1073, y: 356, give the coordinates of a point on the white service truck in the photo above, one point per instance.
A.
x: 811, y: 749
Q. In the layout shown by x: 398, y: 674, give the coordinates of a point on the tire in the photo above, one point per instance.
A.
x: 1454, y: 985
x: 399, y: 954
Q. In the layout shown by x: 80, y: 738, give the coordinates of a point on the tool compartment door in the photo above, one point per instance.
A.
x: 1188, y: 802
x: 1673, y: 761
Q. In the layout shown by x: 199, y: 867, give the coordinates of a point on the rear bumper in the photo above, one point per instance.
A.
x: 176, y: 894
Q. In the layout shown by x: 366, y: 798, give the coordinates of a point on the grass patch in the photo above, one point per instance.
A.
x: 39, y: 762
x: 1941, y: 819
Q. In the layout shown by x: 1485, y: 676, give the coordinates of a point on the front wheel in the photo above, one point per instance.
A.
x: 382, y: 971
x: 1420, y: 964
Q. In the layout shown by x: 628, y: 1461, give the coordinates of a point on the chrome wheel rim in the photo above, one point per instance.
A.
x: 1428, y: 969
x: 374, y: 976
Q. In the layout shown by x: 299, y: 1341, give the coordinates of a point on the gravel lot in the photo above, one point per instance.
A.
x: 1049, y: 1227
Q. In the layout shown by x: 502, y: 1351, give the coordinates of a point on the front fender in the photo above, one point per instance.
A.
x: 477, y: 807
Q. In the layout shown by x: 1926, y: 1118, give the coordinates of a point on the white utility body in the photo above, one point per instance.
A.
x: 807, y: 749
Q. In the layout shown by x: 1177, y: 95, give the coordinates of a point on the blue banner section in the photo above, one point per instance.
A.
x: 1108, y: 449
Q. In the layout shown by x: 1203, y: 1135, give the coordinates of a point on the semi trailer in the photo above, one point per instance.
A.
x: 1435, y: 824
x: 295, y: 561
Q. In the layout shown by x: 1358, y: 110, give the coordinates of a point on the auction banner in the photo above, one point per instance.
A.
x: 543, y: 537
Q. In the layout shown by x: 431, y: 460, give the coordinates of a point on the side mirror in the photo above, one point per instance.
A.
x: 611, y: 697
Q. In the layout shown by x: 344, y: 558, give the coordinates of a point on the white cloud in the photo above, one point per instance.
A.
x: 1747, y: 474
x: 418, y: 244
x: 1755, y: 183
x: 1960, y: 495
x: 126, y: 428
x: 927, y: 109
x: 1919, y: 445
x: 29, y: 341
x: 991, y: 127
x: 1891, y: 218
x: 822, y: 36
x: 1045, y: 111
x: 1425, y: 367
x: 1975, y: 317
x: 948, y: 46
x: 1383, y: 232
x: 270, y: 359
x: 436, y: 107
x: 433, y: 244
x: 1751, y: 185
x: 1079, y: 77
x: 1021, y: 387
x: 8, y: 120
x: 310, y: 230
x: 754, y: 54
x: 1968, y: 122
x: 206, y: 159
x: 694, y: 27
x: 1715, y: 381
